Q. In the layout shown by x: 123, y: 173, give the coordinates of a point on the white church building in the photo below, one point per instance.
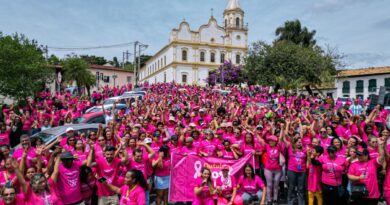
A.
x: 190, y: 54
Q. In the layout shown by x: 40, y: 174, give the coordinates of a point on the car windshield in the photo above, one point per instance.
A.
x: 80, y: 120
x: 44, y: 136
x: 108, y: 102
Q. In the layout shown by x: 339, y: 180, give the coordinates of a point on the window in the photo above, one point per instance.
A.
x: 346, y: 87
x: 359, y: 86
x: 129, y: 79
x: 202, y: 56
x: 106, y: 79
x: 238, y: 59
x: 372, y: 85
x: 212, y: 40
x: 184, y: 55
x: 387, y: 82
x: 184, y: 78
x: 212, y: 57
x: 225, y: 22
x: 238, y: 37
x: 165, y: 77
x: 222, y: 57
x: 237, y: 22
x: 158, y: 64
x: 165, y: 60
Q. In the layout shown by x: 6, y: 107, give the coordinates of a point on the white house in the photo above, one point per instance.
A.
x: 361, y: 83
x: 191, y: 54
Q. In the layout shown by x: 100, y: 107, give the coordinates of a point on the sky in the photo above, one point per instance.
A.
x: 357, y: 29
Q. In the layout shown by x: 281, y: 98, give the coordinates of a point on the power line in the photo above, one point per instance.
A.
x: 91, y: 47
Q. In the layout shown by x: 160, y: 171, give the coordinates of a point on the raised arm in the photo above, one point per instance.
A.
x: 91, y: 155
x: 20, y: 177
x: 111, y: 187
x: 56, y: 171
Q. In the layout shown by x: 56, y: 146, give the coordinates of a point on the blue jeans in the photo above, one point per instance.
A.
x: 246, y: 197
x: 147, y: 197
x: 296, y: 179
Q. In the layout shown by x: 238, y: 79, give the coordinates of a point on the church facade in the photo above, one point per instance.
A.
x: 191, y: 54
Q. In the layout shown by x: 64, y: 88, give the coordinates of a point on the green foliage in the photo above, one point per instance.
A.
x: 288, y: 62
x: 96, y: 60
x: 76, y: 70
x: 293, y: 31
x: 53, y: 60
x: 23, y: 69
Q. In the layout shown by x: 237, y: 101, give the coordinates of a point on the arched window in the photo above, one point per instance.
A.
x: 222, y: 57
x: 202, y: 54
x: 238, y: 59
x: 184, y: 55
x: 238, y: 22
x: 212, y: 57
x: 346, y: 87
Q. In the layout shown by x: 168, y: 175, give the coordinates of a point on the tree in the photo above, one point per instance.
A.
x: 23, y: 70
x: 293, y: 31
x: 53, y: 60
x: 287, y: 62
x: 96, y: 60
x: 76, y: 70
x: 115, y: 62
x: 230, y: 73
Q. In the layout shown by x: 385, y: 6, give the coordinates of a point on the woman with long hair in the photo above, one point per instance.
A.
x: 9, y: 195
x: 42, y: 191
x: 133, y: 192
x: 161, y: 165
x: 87, y: 184
x: 251, y: 186
x: 204, y: 189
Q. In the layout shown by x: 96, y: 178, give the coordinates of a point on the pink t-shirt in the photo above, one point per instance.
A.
x: 4, y: 178
x: 297, y: 160
x: 227, y: 154
x: 205, y: 194
x: 251, y: 186
x: 332, y: 170
x: 374, y: 153
x: 4, y: 138
x: 52, y: 197
x: 209, y: 147
x: 314, y: 178
x: 245, y: 148
x: 369, y: 169
x: 141, y: 166
x: 166, y: 167
x: 31, y: 154
x: 136, y: 196
x: 272, y: 162
x: 226, y: 185
x: 189, y: 151
x: 108, y: 171
x: 68, y: 183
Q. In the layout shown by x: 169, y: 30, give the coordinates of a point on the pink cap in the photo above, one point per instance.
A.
x: 225, y: 167
x: 272, y: 138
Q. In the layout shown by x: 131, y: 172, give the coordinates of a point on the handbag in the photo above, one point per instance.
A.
x: 359, y: 191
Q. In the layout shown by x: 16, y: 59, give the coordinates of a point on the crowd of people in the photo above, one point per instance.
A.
x: 306, y: 150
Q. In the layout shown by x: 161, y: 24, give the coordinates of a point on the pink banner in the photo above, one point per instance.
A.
x: 185, y: 169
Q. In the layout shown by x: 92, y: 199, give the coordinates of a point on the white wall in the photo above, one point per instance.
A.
x: 380, y: 81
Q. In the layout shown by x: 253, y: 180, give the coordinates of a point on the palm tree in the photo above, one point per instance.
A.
x: 76, y: 70
x: 293, y: 31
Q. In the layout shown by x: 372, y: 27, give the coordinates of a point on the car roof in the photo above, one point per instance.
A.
x: 62, y: 129
x: 92, y: 114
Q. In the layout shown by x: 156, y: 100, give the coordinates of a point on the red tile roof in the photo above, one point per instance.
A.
x: 101, y: 67
x: 364, y: 71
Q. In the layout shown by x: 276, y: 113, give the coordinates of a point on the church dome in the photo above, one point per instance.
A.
x: 233, y: 4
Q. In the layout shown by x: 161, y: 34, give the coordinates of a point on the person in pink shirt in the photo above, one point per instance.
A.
x: 189, y: 149
x: 204, y: 189
x: 373, y: 147
x: 251, y: 186
x: 227, y: 188
x: 87, y: 184
x: 4, y: 134
x: 272, y: 167
x: 67, y: 178
x: 333, y: 167
x: 133, y: 192
x: 364, y: 172
x: 162, y: 164
x: 228, y: 151
x: 209, y: 145
x: 31, y: 152
x: 107, y: 168
x: 9, y: 196
x: 314, y: 176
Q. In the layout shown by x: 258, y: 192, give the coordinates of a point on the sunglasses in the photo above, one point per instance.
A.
x: 101, y: 140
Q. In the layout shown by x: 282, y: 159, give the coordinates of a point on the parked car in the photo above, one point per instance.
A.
x: 93, y: 117
x: 49, y: 135
x: 106, y: 107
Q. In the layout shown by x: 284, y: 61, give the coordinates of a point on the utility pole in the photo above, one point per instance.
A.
x: 125, y: 57
x: 134, y: 63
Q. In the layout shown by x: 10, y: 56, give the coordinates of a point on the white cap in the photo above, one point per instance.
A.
x: 171, y: 118
x: 69, y: 129
x: 147, y: 140
x: 192, y: 124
